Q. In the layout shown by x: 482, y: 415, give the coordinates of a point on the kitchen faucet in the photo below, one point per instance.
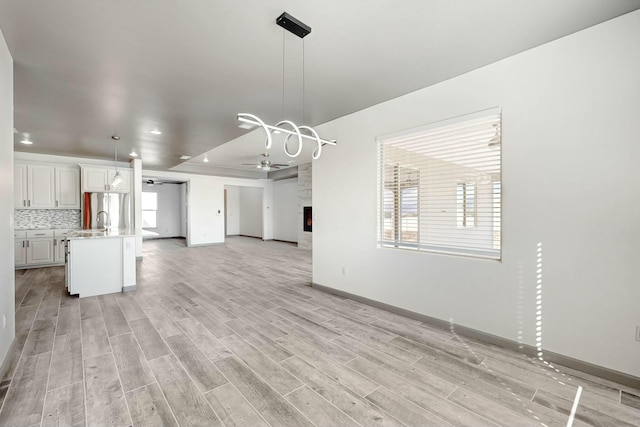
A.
x: 107, y: 223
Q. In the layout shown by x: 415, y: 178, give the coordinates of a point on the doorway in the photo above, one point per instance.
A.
x: 244, y: 211
x: 164, y: 209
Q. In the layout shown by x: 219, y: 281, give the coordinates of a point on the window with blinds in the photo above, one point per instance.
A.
x: 440, y: 187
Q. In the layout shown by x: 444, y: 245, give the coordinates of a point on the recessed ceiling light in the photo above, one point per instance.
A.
x: 206, y: 159
x: 133, y: 153
x: 290, y: 161
x: 26, y: 142
x: 185, y: 157
x: 155, y: 132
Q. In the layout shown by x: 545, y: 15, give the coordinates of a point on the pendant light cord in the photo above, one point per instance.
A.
x: 303, y: 81
x: 282, y: 74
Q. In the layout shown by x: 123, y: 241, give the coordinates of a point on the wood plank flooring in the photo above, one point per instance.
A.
x: 233, y: 336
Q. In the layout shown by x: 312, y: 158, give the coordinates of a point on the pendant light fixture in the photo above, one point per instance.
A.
x: 117, y: 178
x: 287, y: 127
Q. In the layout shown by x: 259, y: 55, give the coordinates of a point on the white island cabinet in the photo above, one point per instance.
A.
x: 100, y: 263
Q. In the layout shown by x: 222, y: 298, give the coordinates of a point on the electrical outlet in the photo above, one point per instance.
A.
x: 344, y: 271
x: 4, y: 321
x: 637, y: 332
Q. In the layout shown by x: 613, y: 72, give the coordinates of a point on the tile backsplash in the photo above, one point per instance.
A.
x: 46, y: 218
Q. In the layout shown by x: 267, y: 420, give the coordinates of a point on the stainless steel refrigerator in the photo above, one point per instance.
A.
x: 106, y: 211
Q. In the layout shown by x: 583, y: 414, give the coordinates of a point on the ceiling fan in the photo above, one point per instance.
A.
x: 266, y: 165
x: 151, y: 182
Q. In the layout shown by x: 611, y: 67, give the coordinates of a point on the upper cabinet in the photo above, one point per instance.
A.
x: 20, y: 195
x: 41, y: 186
x: 44, y: 186
x: 68, y: 188
x: 97, y: 179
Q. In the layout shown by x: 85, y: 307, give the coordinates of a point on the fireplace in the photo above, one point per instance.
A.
x: 307, y: 219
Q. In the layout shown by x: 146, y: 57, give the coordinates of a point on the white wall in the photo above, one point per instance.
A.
x: 183, y: 210
x: 251, y: 211
x: 169, y: 214
x: 136, y: 165
x: 233, y: 210
x: 305, y: 197
x: 570, y: 177
x: 285, y: 210
x: 7, y: 291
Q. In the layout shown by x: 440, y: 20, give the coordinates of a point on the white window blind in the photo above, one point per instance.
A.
x: 440, y: 187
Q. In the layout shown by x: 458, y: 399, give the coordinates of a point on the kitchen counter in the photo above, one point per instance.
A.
x: 100, y: 234
x: 100, y: 262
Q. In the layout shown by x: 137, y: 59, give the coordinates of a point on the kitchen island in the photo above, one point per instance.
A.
x: 100, y: 262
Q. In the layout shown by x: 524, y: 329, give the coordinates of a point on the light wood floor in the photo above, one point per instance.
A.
x: 234, y: 336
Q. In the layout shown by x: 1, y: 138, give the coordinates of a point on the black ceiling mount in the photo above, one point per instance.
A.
x: 291, y: 24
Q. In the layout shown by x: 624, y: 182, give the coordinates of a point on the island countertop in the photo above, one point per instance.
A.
x: 101, y: 234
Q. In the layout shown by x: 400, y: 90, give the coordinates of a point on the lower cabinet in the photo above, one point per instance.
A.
x: 34, y: 252
x: 21, y: 252
x: 58, y: 250
x: 39, y: 248
x: 40, y: 251
x: 101, y: 265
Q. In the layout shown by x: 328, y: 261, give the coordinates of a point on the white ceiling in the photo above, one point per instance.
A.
x: 86, y: 69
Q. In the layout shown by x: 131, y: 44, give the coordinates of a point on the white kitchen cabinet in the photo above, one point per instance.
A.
x: 41, y: 186
x: 46, y: 186
x: 58, y: 246
x: 33, y: 186
x: 94, y: 180
x: 39, y: 248
x: 20, y: 252
x: 67, y: 192
x: 20, y: 186
x: 97, y: 179
x: 101, y: 265
x: 125, y: 185
x: 40, y: 251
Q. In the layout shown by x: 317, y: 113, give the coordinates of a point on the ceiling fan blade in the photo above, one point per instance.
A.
x: 250, y: 164
x: 279, y: 165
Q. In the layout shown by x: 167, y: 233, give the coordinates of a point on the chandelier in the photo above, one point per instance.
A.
x: 287, y: 127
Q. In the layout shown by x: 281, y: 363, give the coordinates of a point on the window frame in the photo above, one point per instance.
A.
x: 155, y: 211
x: 397, y: 187
x: 492, y: 210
